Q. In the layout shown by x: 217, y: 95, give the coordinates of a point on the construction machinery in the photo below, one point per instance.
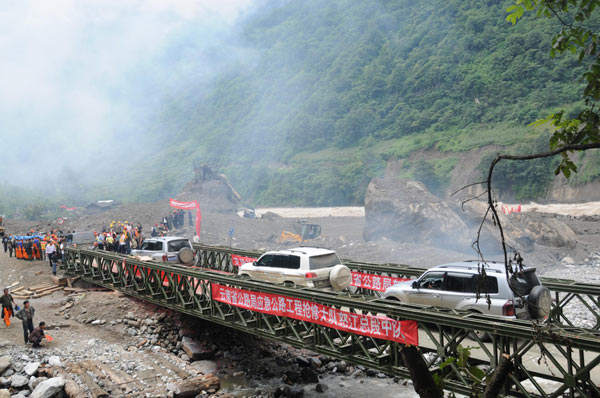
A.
x: 2, y: 224
x: 307, y: 231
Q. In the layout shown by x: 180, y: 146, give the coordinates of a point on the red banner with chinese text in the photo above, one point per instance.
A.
x: 189, y: 206
x: 377, y: 326
x: 238, y: 261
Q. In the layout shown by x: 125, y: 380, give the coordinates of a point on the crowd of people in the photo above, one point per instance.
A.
x: 119, y: 238
x: 38, y: 247
x: 172, y: 221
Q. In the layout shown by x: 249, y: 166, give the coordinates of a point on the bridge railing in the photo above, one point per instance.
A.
x: 569, y: 354
x: 575, y: 304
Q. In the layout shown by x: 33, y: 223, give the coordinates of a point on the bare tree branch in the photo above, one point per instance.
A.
x: 467, y: 186
x: 492, y: 207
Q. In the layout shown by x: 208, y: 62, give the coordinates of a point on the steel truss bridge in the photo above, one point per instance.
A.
x: 555, y: 361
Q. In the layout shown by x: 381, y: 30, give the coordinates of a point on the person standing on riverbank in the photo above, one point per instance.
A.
x: 26, y: 317
x: 7, y: 302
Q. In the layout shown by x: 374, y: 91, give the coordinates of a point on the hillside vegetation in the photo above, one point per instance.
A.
x: 328, y: 91
x: 324, y: 93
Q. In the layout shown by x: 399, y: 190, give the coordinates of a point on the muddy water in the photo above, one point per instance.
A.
x: 312, y: 212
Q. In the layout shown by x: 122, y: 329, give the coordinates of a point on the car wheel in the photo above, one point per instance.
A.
x: 340, y: 277
x: 289, y: 284
x: 539, y: 302
x: 245, y: 276
x: 186, y: 255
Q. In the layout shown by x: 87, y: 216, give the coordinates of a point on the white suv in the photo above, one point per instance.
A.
x: 170, y: 249
x: 302, y: 266
x: 454, y: 286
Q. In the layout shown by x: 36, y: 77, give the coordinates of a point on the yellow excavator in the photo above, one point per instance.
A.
x: 307, y: 231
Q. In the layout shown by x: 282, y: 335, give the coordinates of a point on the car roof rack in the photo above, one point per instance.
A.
x: 471, y: 267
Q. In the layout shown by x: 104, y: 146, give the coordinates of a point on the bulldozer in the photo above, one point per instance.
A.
x: 306, y: 231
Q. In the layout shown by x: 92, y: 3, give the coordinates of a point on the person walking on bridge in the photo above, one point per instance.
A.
x: 5, y: 243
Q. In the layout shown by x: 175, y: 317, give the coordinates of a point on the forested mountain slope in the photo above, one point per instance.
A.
x: 323, y: 93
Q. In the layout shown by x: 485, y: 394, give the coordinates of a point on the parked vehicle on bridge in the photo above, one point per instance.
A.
x: 2, y: 224
x: 170, y: 249
x: 454, y: 286
x: 83, y: 239
x: 301, y: 266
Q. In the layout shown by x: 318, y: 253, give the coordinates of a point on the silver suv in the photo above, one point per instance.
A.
x: 167, y: 249
x: 302, y: 266
x: 454, y: 286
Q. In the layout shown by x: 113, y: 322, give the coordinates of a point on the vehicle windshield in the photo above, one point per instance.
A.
x: 152, y: 245
x: 324, y: 261
x: 176, y: 245
x: 523, y: 281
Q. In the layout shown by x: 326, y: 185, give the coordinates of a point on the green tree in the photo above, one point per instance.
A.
x: 579, y: 37
x: 581, y: 132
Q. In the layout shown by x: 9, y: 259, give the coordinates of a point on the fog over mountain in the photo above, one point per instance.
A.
x: 83, y: 80
x: 297, y: 102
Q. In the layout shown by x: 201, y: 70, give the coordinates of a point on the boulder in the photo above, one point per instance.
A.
x: 548, y: 231
x: 8, y: 372
x: 5, y: 362
x: 309, y: 375
x: 194, y: 350
x: 18, y: 381
x: 194, y: 386
x: 34, y: 381
x: 54, y: 360
x: 48, y: 388
x: 521, y: 230
x: 72, y: 388
x: 321, y: 387
x: 404, y: 210
x: 472, y: 212
x: 315, y: 362
x: 205, y: 366
x: 4, y: 393
x: 31, y: 368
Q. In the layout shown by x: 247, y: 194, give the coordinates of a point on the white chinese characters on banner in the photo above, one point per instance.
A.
x: 374, y: 282
x: 377, y: 326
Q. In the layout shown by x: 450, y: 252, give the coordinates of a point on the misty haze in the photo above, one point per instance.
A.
x: 160, y: 157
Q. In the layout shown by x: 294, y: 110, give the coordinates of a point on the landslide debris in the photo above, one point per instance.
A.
x: 404, y: 210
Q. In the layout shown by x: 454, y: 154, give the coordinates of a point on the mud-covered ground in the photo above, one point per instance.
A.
x: 342, y: 231
x: 98, y: 325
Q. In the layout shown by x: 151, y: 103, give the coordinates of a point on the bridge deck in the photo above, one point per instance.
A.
x: 570, y: 355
